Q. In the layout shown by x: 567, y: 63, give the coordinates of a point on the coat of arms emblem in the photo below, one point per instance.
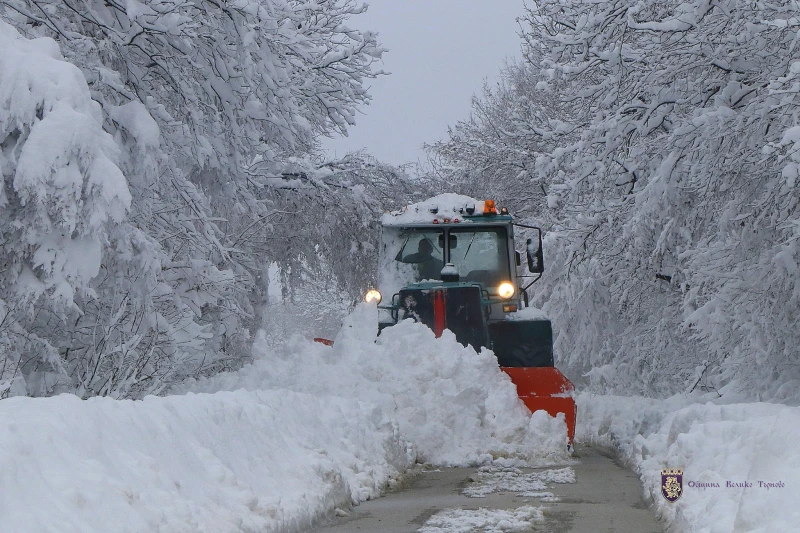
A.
x: 671, y: 484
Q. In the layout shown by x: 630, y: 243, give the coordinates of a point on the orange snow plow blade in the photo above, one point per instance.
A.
x: 545, y: 388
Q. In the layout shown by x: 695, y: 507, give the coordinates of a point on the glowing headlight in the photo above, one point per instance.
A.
x: 505, y: 290
x: 372, y: 295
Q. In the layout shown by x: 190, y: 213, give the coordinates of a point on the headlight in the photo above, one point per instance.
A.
x: 505, y: 290
x: 372, y: 295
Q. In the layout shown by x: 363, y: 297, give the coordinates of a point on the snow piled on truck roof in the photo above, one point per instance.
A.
x: 447, y: 204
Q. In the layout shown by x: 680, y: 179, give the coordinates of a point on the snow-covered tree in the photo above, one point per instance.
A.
x: 62, y: 197
x: 211, y: 111
x: 669, y: 166
x: 493, y: 152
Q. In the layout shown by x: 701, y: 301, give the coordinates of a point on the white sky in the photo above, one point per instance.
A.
x: 440, y: 52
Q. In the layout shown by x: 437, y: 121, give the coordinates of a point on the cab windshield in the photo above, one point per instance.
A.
x: 421, y: 249
x: 416, y: 254
x: 480, y: 255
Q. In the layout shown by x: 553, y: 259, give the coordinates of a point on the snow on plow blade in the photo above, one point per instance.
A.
x: 545, y: 388
x: 539, y: 388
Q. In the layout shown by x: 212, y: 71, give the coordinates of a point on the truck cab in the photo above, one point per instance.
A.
x: 451, y: 263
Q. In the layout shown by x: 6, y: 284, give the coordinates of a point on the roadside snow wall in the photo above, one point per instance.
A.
x: 317, y: 428
x: 455, y: 405
x: 259, y: 461
x: 721, y: 447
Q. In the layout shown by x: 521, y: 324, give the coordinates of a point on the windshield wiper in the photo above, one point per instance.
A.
x: 399, y: 256
x: 469, y: 246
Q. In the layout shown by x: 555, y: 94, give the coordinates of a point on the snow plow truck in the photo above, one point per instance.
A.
x: 451, y: 262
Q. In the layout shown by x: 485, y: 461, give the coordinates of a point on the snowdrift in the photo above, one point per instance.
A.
x: 232, y: 461
x: 455, y: 405
x: 741, y: 469
x: 317, y: 428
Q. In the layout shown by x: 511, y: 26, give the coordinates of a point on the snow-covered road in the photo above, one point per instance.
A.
x: 592, y: 495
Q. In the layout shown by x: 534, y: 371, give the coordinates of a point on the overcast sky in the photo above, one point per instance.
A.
x: 440, y: 51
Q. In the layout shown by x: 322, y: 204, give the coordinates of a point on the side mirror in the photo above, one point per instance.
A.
x: 535, y: 255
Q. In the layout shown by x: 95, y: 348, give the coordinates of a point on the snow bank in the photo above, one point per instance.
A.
x: 454, y: 404
x: 233, y: 461
x: 741, y: 467
x: 319, y: 427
